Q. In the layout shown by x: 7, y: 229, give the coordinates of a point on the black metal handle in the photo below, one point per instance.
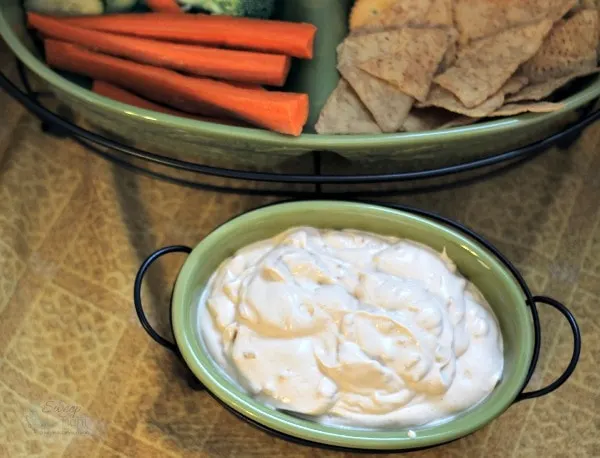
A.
x: 137, y: 294
x: 576, y: 347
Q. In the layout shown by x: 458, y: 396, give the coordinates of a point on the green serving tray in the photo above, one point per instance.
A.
x: 214, y: 144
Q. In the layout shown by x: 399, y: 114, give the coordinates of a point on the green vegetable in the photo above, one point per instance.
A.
x: 249, y: 8
x: 65, y: 7
x: 119, y: 6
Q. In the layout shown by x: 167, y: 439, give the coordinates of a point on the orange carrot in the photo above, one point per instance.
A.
x: 247, y: 85
x: 278, y: 111
x: 243, y: 66
x: 121, y: 95
x: 164, y: 6
x: 289, y: 38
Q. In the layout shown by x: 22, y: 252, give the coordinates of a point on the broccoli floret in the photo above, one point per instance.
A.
x: 118, y: 6
x: 249, y: 8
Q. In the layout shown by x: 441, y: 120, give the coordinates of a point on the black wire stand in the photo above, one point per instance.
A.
x: 121, y: 154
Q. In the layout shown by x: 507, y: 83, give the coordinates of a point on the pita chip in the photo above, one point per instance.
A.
x: 570, y: 47
x: 512, y: 109
x: 539, y: 91
x: 415, y: 60
x: 482, y: 68
x: 344, y: 113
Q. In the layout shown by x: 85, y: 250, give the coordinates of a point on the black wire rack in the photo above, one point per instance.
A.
x: 423, y: 181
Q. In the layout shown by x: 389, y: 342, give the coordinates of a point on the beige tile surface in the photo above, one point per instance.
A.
x: 79, y: 377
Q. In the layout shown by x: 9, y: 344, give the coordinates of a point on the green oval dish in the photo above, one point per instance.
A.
x: 475, y: 262
x: 235, y: 146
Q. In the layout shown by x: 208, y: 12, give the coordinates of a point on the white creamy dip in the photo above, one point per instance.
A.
x: 351, y: 328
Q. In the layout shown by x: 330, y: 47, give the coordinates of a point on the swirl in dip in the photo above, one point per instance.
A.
x: 352, y: 328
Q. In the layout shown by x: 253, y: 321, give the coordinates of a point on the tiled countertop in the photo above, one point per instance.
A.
x: 79, y: 377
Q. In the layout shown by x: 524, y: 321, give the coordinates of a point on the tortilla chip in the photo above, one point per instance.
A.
x: 388, y: 105
x: 589, y: 5
x: 348, y: 51
x: 442, y: 98
x: 476, y: 19
x: 427, y: 13
x: 512, y: 109
x: 585, y: 5
x: 484, y: 66
x: 514, y: 85
x: 361, y: 48
x: 451, y: 51
x: 416, y: 58
x: 440, y: 13
x: 570, y: 47
x: 423, y: 119
x: 344, y: 113
x: 539, y: 91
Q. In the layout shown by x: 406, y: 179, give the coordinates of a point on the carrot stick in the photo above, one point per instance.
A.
x: 243, y: 66
x: 164, y: 6
x: 278, y: 111
x: 121, y: 95
x: 289, y: 38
